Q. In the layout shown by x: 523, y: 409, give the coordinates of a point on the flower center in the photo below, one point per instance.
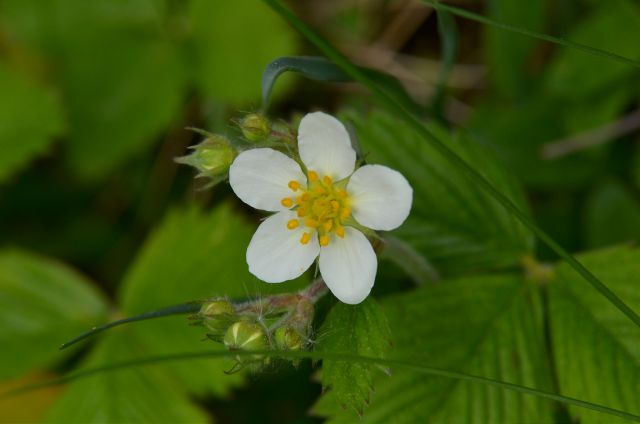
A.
x: 322, y: 207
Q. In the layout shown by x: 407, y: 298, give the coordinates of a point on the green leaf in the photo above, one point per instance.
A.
x: 449, y: 40
x: 488, y: 326
x: 43, y: 303
x: 597, y: 351
x: 612, y: 215
x: 610, y: 26
x: 508, y: 55
x: 192, y: 256
x: 124, y: 396
x: 30, y: 117
x: 455, y: 224
x: 234, y: 41
x: 321, y: 69
x: 363, y: 330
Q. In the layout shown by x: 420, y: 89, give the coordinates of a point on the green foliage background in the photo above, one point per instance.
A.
x: 97, y: 221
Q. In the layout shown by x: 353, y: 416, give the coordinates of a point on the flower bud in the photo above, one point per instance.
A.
x: 288, y: 338
x: 212, y: 157
x: 244, y: 335
x: 255, y: 127
x: 217, y: 316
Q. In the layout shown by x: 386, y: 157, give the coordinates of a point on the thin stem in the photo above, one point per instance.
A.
x: 413, y: 263
x: 335, y: 356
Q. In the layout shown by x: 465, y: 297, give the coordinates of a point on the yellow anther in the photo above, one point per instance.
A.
x: 326, y: 180
x: 342, y: 194
x: 320, y: 190
x: 324, y: 240
x: 327, y: 225
x: 310, y: 222
x: 287, y: 202
x: 305, y: 197
x: 345, y: 212
x: 293, y: 224
x: 306, y: 237
x: 340, y: 232
x: 313, y: 176
x: 301, y: 212
x: 335, y: 205
x: 294, y: 185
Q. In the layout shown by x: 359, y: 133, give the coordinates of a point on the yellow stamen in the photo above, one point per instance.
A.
x: 345, y: 212
x: 324, y: 240
x: 326, y: 180
x: 342, y: 194
x: 335, y: 205
x: 327, y: 225
x: 294, y: 185
x: 320, y: 190
x: 287, y: 202
x: 301, y: 212
x: 293, y: 224
x: 313, y: 176
x: 310, y: 222
x: 340, y: 232
x: 306, y: 237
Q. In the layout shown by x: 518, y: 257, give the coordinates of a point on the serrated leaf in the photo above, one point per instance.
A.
x: 489, y: 326
x: 230, y: 58
x: 596, y: 350
x: 611, y: 202
x: 29, y: 119
x: 358, y: 329
x: 192, y: 255
x: 42, y: 302
x: 453, y: 222
x: 127, y: 395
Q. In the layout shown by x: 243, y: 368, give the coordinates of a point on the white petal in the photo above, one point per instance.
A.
x: 260, y: 178
x: 275, y: 253
x: 348, y: 266
x: 325, y: 146
x: 380, y: 197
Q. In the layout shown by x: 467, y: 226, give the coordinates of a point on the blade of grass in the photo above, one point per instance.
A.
x: 459, y: 163
x: 334, y: 356
x: 533, y: 34
x: 185, y: 308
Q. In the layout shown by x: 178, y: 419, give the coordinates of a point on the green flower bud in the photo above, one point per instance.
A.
x: 255, y: 127
x: 212, y: 157
x: 288, y: 338
x: 244, y: 335
x: 217, y: 316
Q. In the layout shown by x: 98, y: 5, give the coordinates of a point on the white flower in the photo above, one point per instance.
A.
x: 318, y: 212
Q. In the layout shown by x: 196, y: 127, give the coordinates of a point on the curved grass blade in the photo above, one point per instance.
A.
x: 533, y: 34
x: 321, y: 69
x: 185, y: 308
x: 415, y: 122
x: 315, y: 356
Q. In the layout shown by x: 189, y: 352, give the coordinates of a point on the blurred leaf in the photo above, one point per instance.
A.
x: 509, y: 56
x: 488, y: 326
x: 596, y: 349
x: 29, y: 119
x: 456, y: 225
x: 191, y: 256
x: 518, y: 133
x: 612, y: 215
x: 140, y: 395
x: 321, y: 69
x: 610, y: 26
x: 234, y: 42
x: 28, y: 407
x: 42, y: 303
x: 119, y: 101
x: 363, y: 330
